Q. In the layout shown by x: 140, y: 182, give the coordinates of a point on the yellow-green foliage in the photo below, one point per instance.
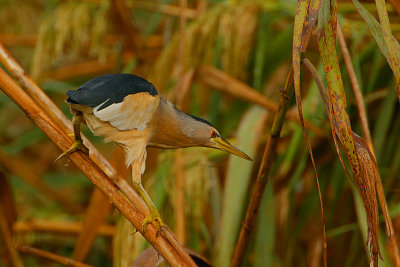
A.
x: 72, y: 30
x: 225, y: 35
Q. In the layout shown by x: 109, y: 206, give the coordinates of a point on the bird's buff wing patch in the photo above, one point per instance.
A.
x: 134, y: 112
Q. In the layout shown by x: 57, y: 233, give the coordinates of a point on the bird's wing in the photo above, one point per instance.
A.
x: 109, y: 89
x: 125, y: 100
x: 134, y: 112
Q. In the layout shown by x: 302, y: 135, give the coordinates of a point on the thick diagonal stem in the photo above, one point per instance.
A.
x: 263, y: 174
x: 170, y: 250
x: 97, y: 158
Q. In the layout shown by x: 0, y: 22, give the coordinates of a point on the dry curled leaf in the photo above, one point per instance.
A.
x: 306, y: 15
x: 354, y: 146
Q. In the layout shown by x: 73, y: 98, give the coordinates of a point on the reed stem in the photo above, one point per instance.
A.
x: 263, y: 174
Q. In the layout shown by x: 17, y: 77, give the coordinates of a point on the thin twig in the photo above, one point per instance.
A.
x: 18, y: 39
x: 171, y: 251
x: 51, y: 256
x: 165, y: 9
x: 356, y: 89
x: 6, y: 236
x: 111, y: 39
x: 59, y: 227
x: 263, y: 174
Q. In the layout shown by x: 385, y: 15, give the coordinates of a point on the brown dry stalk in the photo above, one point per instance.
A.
x: 46, y: 103
x: 157, y: 7
x: 8, y: 39
x: 81, y: 69
x: 356, y: 88
x: 33, y: 89
x: 306, y: 15
x: 182, y: 101
x: 225, y: 83
x: 59, y: 227
x: 171, y: 251
x: 18, y: 39
x: 99, y: 207
x: 51, y: 256
x: 388, y: 222
x: 6, y: 236
x: 7, y: 204
x: 123, y: 21
x: 263, y: 174
x: 28, y: 174
x: 367, y: 134
x: 396, y: 5
x: 180, y: 200
x: 179, y: 164
x: 165, y: 9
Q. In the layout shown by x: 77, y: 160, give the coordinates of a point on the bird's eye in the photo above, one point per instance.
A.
x: 213, y: 134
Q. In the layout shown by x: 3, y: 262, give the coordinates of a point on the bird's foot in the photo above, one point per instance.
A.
x: 135, y: 230
x: 77, y: 145
x: 154, y: 216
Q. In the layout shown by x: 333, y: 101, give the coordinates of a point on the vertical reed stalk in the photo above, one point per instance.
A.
x: 179, y: 161
x: 7, y: 238
x: 99, y: 207
x: 263, y: 174
x: 367, y: 134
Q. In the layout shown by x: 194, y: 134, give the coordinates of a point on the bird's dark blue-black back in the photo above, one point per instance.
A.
x: 109, y: 89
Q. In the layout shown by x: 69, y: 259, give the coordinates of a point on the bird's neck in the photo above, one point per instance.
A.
x: 169, y: 129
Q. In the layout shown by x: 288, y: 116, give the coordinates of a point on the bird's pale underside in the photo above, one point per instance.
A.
x: 128, y: 110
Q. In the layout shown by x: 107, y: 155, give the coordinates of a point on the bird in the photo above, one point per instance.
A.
x: 128, y: 110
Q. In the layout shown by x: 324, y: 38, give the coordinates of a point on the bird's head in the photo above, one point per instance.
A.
x: 203, y: 133
x: 208, y: 136
x: 220, y: 143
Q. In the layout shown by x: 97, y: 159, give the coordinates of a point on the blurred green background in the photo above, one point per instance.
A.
x: 62, y: 44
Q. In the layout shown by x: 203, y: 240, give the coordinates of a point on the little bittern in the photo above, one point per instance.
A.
x: 128, y: 110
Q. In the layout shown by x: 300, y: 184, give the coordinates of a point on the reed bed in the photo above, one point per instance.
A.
x: 309, y: 89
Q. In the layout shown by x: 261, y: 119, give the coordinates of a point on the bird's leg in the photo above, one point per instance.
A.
x: 78, y: 143
x: 154, y: 215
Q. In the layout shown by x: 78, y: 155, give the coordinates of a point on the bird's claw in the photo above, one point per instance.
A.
x: 154, y: 216
x: 77, y: 145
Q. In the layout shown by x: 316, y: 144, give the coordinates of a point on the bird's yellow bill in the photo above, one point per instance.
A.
x: 226, y: 146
